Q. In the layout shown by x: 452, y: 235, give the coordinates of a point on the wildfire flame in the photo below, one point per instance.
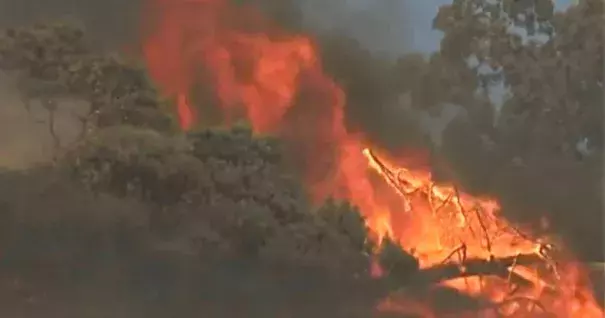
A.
x: 443, y: 223
x: 268, y: 75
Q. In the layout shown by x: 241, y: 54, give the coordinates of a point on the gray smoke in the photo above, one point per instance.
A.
x: 382, y: 27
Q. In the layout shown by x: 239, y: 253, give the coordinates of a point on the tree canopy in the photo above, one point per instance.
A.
x: 530, y: 79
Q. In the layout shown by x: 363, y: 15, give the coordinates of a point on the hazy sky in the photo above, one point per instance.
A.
x: 421, y: 13
x: 391, y: 26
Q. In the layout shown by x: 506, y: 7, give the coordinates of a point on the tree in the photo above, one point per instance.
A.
x: 545, y: 135
x: 52, y: 60
x: 549, y: 62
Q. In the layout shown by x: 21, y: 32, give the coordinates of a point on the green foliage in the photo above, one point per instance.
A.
x: 539, y: 150
x: 551, y: 62
x: 129, y: 160
x: 220, y: 189
x: 43, y: 50
x: 399, y: 264
x: 59, y: 56
x: 346, y: 219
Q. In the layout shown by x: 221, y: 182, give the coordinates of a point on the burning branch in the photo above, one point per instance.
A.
x: 402, y: 274
x: 495, y: 247
x: 391, y: 178
x: 501, y: 267
x: 403, y: 267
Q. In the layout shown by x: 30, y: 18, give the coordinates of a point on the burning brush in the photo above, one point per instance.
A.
x: 476, y: 251
x: 267, y: 74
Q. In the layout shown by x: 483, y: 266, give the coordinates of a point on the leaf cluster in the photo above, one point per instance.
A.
x: 55, y: 60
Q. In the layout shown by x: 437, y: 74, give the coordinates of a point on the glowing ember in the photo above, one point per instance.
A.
x: 268, y: 75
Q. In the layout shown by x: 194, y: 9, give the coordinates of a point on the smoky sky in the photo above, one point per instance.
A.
x: 381, y: 26
x: 384, y: 26
x: 109, y: 22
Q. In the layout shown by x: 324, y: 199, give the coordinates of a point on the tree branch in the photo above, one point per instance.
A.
x: 475, y: 267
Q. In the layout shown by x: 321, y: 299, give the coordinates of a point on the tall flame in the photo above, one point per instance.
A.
x: 276, y: 80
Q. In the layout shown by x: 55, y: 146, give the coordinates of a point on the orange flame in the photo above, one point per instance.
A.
x: 276, y: 80
x: 441, y: 220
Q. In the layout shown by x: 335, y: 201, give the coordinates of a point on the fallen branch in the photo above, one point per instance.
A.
x: 428, y: 278
x: 51, y: 107
x: 476, y: 267
x: 401, y: 274
x: 476, y: 226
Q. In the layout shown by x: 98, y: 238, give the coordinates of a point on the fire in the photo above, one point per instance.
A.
x: 276, y: 81
x: 443, y: 224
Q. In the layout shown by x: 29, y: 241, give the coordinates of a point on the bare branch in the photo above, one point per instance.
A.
x: 51, y: 106
x: 488, y: 242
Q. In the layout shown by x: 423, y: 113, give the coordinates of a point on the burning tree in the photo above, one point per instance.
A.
x: 276, y: 80
x: 528, y: 77
x: 460, y: 240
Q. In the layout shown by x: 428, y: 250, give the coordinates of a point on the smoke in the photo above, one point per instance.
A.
x: 358, y: 39
x: 109, y: 22
x: 382, y: 27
